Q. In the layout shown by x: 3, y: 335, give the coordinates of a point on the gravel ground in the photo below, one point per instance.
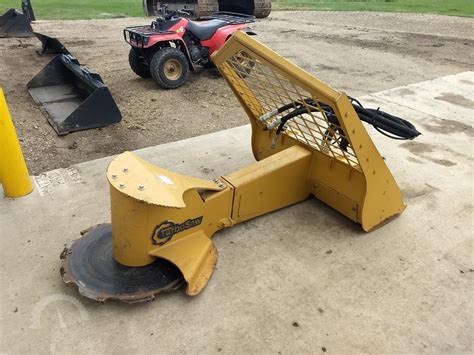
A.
x: 358, y: 53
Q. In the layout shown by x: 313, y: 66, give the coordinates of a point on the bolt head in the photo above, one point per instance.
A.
x: 114, y: 176
x: 121, y: 185
x: 125, y: 170
x: 141, y: 187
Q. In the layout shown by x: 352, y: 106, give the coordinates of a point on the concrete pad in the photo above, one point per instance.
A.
x: 450, y: 97
x: 302, y: 279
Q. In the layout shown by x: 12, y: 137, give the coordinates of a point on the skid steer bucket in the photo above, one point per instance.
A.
x: 50, y: 45
x: 14, y: 24
x: 72, y: 97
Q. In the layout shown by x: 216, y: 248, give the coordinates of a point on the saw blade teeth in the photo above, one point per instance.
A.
x: 88, y: 264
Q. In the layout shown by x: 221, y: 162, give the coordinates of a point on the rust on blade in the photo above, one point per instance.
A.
x: 88, y: 264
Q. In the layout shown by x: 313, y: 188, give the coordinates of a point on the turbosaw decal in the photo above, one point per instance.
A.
x: 165, y: 231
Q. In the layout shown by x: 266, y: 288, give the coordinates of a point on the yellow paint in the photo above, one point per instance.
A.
x: 272, y: 183
x: 364, y: 185
x: 13, y: 171
x: 145, y: 197
x: 196, y: 257
x: 157, y: 213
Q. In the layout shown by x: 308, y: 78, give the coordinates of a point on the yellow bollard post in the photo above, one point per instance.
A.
x: 13, y: 171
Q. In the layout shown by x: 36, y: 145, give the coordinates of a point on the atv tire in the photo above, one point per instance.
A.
x: 136, y: 63
x: 169, y: 67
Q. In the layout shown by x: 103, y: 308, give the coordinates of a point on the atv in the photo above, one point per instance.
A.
x: 173, y: 45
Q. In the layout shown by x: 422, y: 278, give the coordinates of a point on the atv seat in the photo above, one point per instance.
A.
x: 205, y: 29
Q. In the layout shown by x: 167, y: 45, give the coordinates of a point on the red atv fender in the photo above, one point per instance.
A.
x: 173, y: 35
x: 223, y: 34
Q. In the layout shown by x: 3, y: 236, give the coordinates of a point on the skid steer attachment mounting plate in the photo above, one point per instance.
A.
x: 14, y: 24
x: 72, y: 97
x: 88, y: 263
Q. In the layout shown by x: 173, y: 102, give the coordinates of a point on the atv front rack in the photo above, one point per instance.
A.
x: 138, y: 36
x: 232, y: 18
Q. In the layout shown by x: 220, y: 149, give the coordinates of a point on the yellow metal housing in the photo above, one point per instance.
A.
x: 356, y: 181
x: 160, y: 214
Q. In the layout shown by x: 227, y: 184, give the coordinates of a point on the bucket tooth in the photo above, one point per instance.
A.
x: 14, y: 24
x: 72, y: 97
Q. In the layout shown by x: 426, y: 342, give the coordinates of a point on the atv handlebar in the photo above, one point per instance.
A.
x: 168, y: 15
x: 184, y: 12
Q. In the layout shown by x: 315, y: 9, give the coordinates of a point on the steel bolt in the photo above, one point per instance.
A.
x: 141, y: 187
x: 121, y: 185
x: 125, y: 170
x: 114, y: 176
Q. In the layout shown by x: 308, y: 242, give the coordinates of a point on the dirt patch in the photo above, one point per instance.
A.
x: 80, y: 43
x: 386, y: 51
x: 457, y: 100
x: 418, y: 148
x: 404, y: 92
x: 468, y: 82
x: 412, y: 193
x: 445, y: 126
x: 442, y: 162
x: 421, y: 150
x: 414, y: 160
x: 21, y: 44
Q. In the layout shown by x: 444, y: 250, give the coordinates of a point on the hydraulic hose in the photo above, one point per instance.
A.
x: 391, y: 126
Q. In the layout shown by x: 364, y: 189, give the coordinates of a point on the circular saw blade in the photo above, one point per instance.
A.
x: 88, y: 263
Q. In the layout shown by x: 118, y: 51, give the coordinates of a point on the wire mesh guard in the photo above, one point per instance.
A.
x: 266, y: 88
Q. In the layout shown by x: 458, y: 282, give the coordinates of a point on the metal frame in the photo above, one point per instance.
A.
x: 146, y: 198
x: 157, y: 213
x: 359, y: 184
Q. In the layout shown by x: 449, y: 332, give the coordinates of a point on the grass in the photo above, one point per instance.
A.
x: 78, y: 9
x: 89, y: 9
x: 442, y: 7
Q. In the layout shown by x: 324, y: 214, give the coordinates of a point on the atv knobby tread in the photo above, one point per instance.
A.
x: 137, y: 65
x: 159, y: 59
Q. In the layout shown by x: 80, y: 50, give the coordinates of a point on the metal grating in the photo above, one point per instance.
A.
x: 265, y: 88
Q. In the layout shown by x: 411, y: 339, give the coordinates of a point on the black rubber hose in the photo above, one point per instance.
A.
x: 391, y: 126
x: 289, y: 116
x: 386, y: 122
